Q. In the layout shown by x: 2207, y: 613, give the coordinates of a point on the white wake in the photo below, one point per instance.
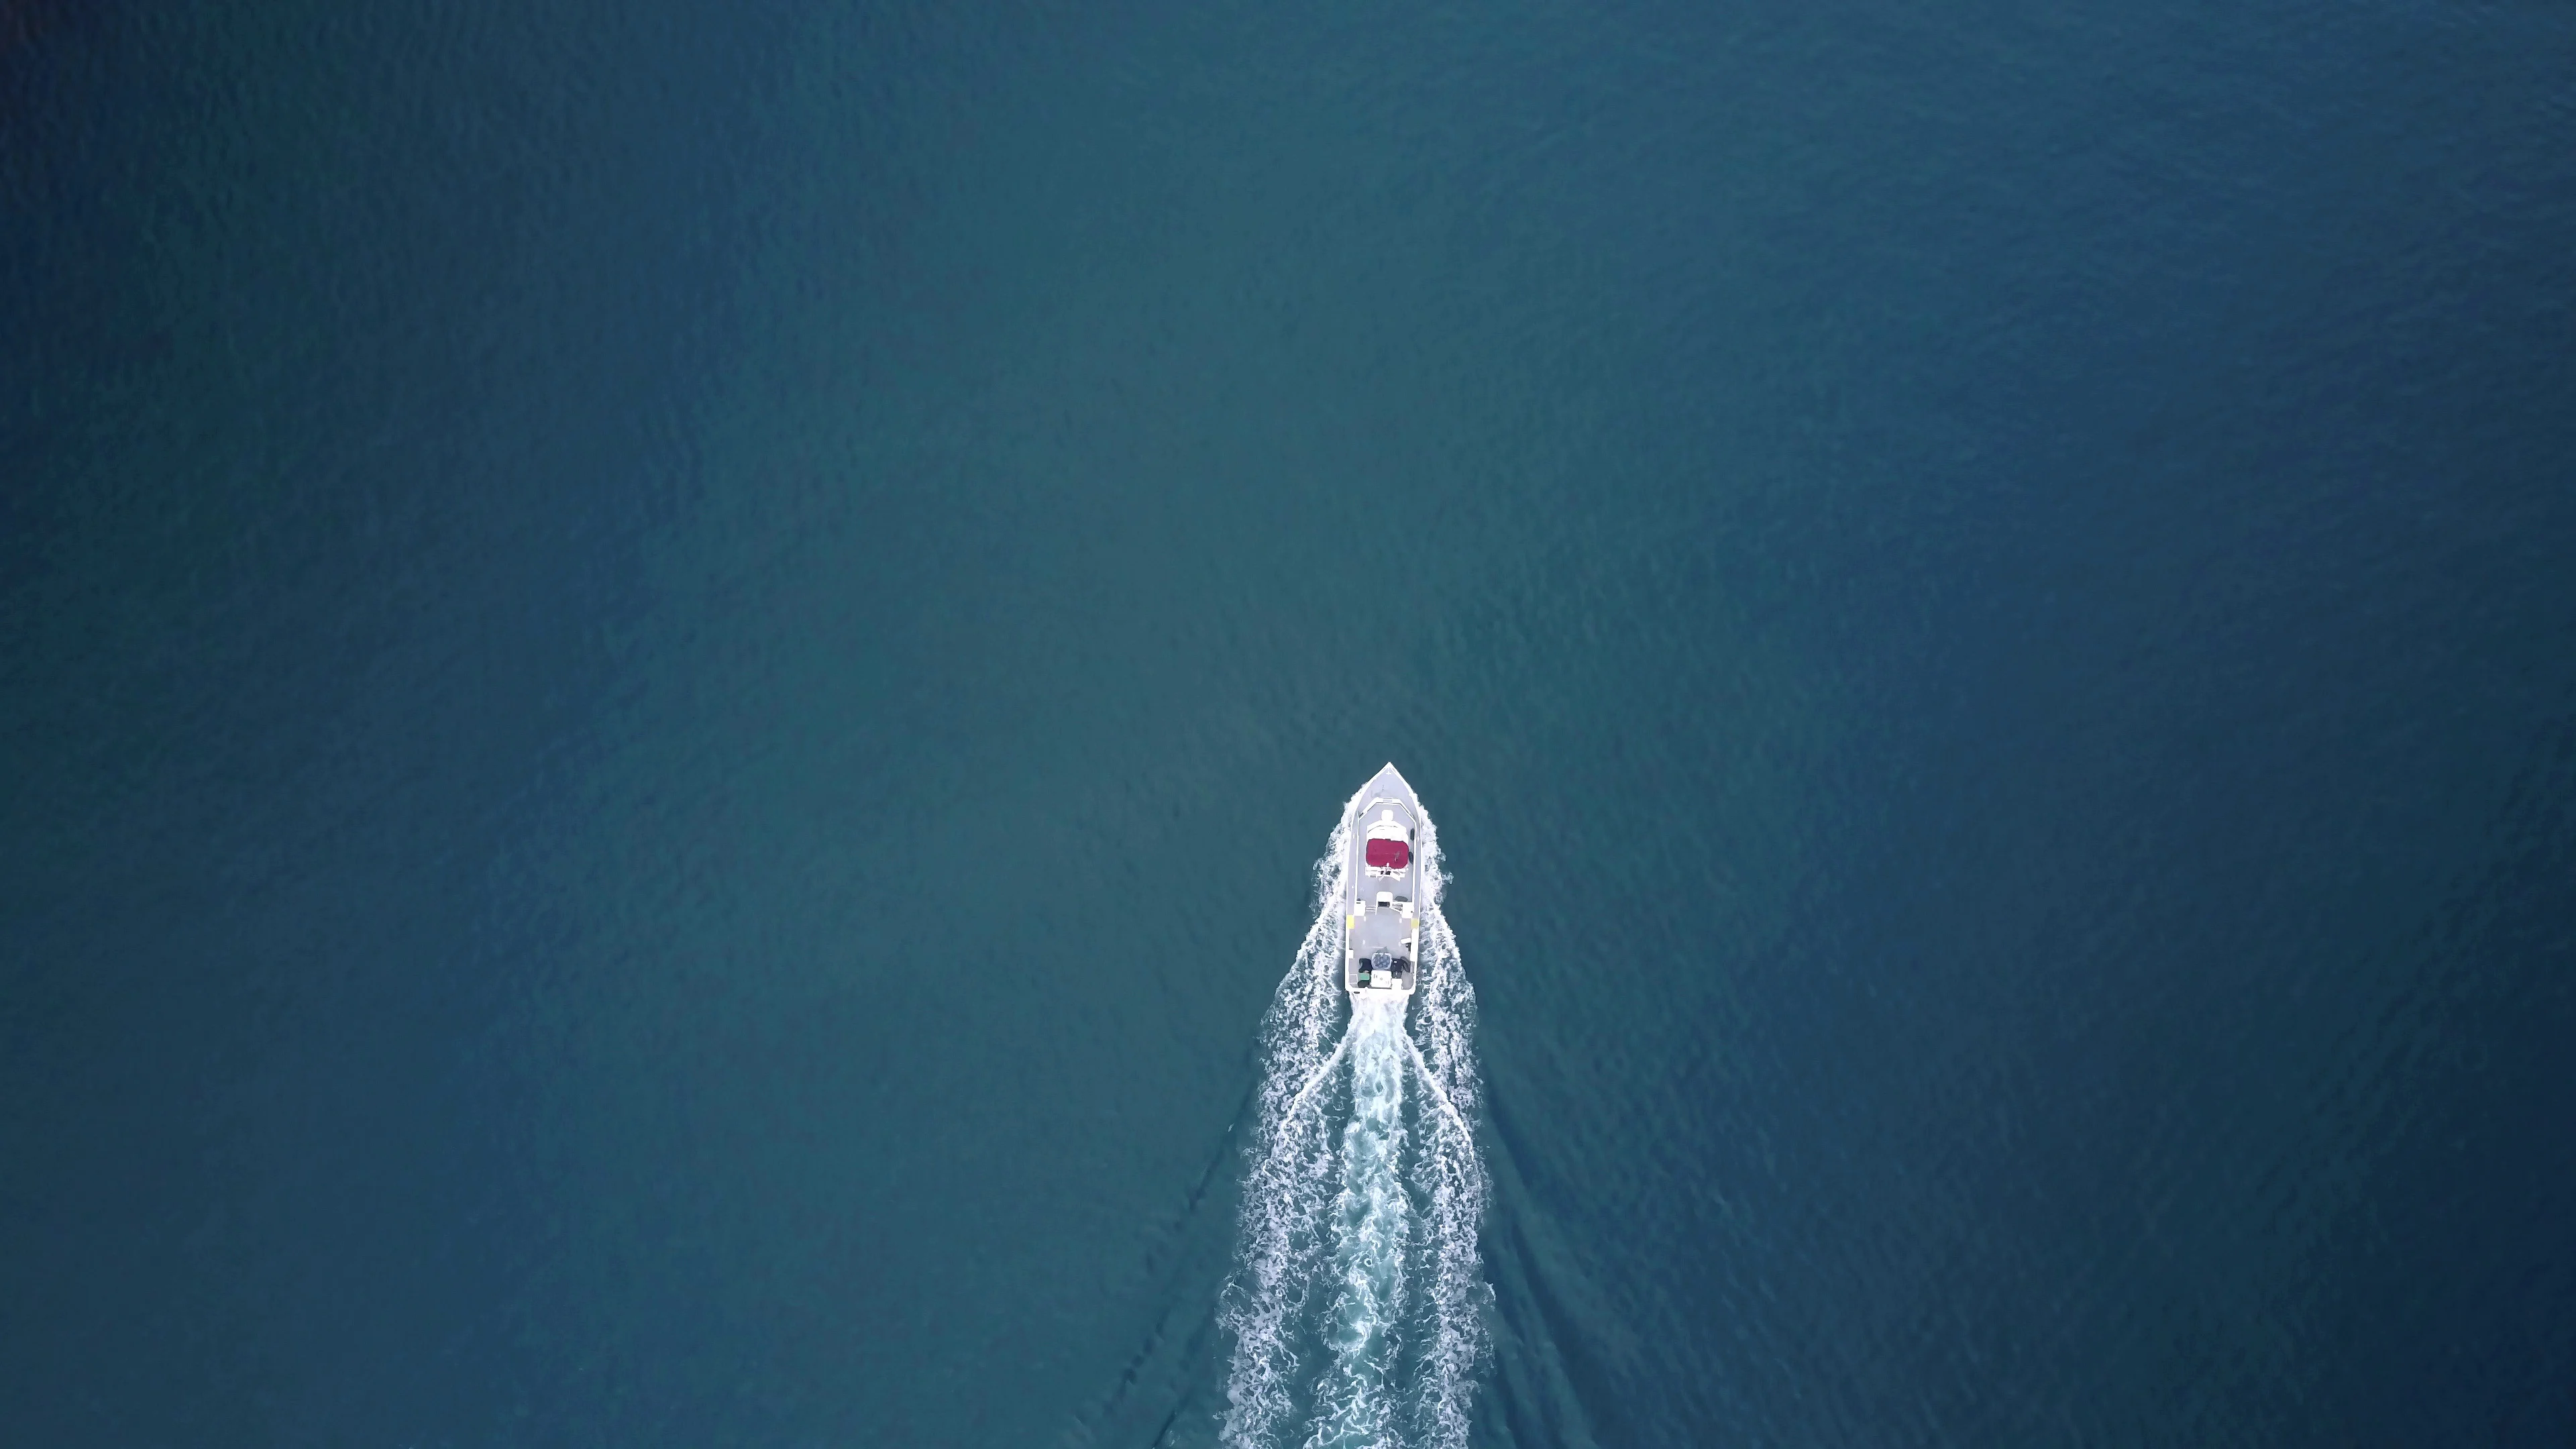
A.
x: 1356, y: 1307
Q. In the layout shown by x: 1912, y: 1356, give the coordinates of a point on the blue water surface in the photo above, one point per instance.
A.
x: 669, y: 676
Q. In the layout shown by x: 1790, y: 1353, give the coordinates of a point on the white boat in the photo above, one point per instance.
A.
x: 1382, y: 928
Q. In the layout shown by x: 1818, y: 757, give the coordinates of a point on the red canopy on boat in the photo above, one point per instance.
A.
x: 1389, y: 854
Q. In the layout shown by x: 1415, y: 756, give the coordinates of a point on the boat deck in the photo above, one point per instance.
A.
x: 1381, y: 923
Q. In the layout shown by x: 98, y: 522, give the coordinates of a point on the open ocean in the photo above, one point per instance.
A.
x: 672, y: 674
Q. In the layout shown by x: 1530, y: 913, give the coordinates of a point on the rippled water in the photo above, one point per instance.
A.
x: 669, y: 676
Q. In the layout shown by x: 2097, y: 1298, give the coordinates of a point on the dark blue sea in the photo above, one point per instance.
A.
x: 671, y: 676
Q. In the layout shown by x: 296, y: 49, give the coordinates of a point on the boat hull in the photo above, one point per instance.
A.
x: 1382, y: 915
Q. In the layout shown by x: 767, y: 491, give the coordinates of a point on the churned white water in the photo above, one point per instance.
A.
x: 1356, y: 1306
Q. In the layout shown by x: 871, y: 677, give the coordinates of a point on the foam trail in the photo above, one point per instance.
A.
x: 1369, y: 1231
x: 1451, y: 1179
x: 1357, y: 1304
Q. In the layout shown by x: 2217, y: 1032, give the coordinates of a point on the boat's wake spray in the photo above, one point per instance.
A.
x: 1356, y: 1307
